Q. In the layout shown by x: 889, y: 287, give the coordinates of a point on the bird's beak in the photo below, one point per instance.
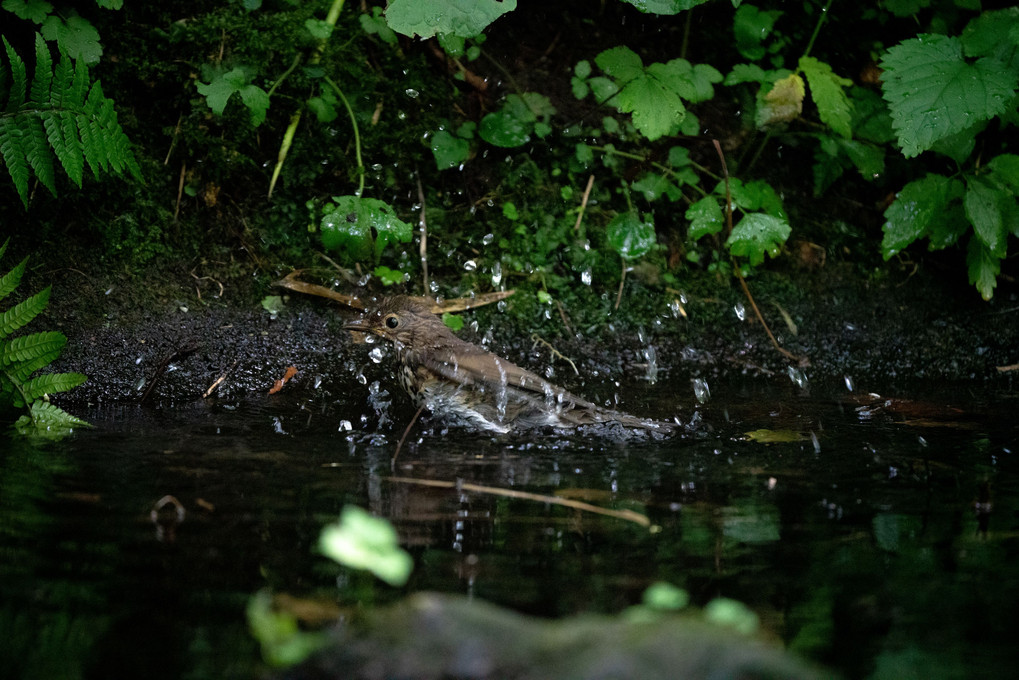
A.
x: 359, y: 324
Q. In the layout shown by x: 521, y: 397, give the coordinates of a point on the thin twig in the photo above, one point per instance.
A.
x: 556, y: 353
x: 424, y: 238
x: 399, y: 444
x: 566, y: 321
x: 583, y: 202
x: 622, y: 280
x: 628, y: 515
x: 180, y: 189
x: 739, y: 275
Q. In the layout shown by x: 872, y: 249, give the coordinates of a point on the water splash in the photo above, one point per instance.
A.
x: 741, y: 311
x: 701, y: 390
x: 798, y: 377
x: 651, y: 360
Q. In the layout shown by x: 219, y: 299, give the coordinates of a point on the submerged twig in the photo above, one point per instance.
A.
x: 628, y: 515
x: 403, y: 437
x: 176, y: 354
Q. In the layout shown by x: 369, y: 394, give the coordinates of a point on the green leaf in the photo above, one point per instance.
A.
x: 985, y: 206
x: 621, y: 63
x: 782, y: 103
x: 319, y: 28
x: 48, y: 421
x: 388, y: 276
x: 374, y: 24
x: 732, y: 614
x: 219, y: 90
x: 1005, y: 169
x: 629, y: 236
x: 757, y: 234
x: 755, y: 195
x: 35, y: 11
x: 361, y: 541
x: 21, y: 313
x: 511, y: 126
x: 920, y: 209
x: 50, y: 383
x: 425, y: 18
x: 362, y: 227
x: 449, y: 151
x: 453, y: 322
x: 663, y: 596
x: 746, y: 73
x: 656, y: 109
x: 665, y: 7
x: 26, y: 354
x: 933, y: 92
x: 868, y: 159
x: 653, y: 186
x: 751, y: 27
x: 75, y: 37
x: 826, y: 89
x: 705, y: 218
x: 10, y: 280
x: 583, y: 69
x: 984, y: 267
x: 871, y: 120
x: 989, y: 34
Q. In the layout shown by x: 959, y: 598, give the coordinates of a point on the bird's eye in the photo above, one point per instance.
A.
x: 392, y: 321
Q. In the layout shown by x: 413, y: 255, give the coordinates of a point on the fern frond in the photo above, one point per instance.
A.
x: 61, y: 93
x: 47, y: 419
x: 38, y: 153
x: 24, y: 355
x: 10, y: 280
x: 48, y: 383
x: 43, y: 76
x: 20, y: 314
x: 15, y: 155
x: 18, y: 79
x: 62, y: 134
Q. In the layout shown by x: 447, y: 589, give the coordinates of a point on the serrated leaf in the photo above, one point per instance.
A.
x: 754, y: 195
x: 653, y: 186
x: 10, y: 280
x: 19, y: 82
x: 43, y: 73
x: 921, y: 208
x: 1005, y: 169
x: 757, y: 234
x: 984, y: 267
x: 868, y: 159
x: 22, y: 313
x: 705, y: 218
x: 35, y: 11
x: 750, y: 27
x: 425, y: 18
x: 826, y: 89
x: 871, y: 120
x: 48, y: 421
x: 14, y: 152
x: 746, y: 73
x: 656, y: 109
x: 621, y: 63
x: 50, y: 383
x: 984, y: 205
x: 933, y: 91
x: 257, y: 101
x: 76, y: 37
x: 989, y: 34
x: 665, y: 7
x: 782, y: 103
x: 630, y: 236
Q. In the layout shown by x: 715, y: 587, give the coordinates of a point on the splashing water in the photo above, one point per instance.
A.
x: 798, y: 377
x: 701, y: 390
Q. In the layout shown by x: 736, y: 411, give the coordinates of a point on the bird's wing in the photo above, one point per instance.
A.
x: 474, y: 366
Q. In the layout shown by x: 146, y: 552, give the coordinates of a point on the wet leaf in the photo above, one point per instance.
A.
x: 425, y: 18
x: 765, y: 436
x: 705, y: 218
x: 629, y: 236
x: 361, y: 541
x: 350, y: 222
x: 827, y: 91
x: 757, y: 234
x: 449, y: 151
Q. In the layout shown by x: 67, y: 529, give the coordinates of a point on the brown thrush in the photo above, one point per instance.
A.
x: 469, y: 385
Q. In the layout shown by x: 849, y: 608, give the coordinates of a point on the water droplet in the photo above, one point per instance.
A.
x: 411, y: 92
x: 345, y: 426
x: 585, y: 277
x: 849, y: 383
x: 487, y: 239
x: 741, y: 311
x: 470, y: 265
x: 376, y: 356
x: 798, y: 377
x: 496, y: 273
x: 701, y: 390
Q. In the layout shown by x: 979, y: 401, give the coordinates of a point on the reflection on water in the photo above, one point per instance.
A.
x: 869, y: 535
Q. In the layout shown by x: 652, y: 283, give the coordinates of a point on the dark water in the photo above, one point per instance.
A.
x: 857, y: 542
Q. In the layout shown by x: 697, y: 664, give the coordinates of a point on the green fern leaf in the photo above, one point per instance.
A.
x: 62, y: 135
x: 74, y: 98
x: 18, y: 79
x: 49, y: 383
x: 12, y: 148
x: 3, y: 248
x: 43, y: 77
x: 10, y: 280
x: 29, y: 353
x: 39, y: 155
x: 20, y: 314
x: 61, y: 86
x: 48, y: 420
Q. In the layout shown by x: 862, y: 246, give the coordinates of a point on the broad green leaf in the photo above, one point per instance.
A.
x: 512, y: 125
x: 755, y: 195
x: 425, y: 18
x: 751, y: 27
x: 1005, y: 168
x: 653, y: 186
x: 449, y: 151
x: 827, y: 91
x: 629, y: 236
x: 871, y: 120
x: 905, y: 8
x: 388, y: 276
x: 782, y: 103
x: 351, y: 221
x: 869, y: 159
x: 582, y: 69
x: 10, y: 280
x: 621, y: 63
x: 74, y: 36
x: 692, y: 83
x: 933, y: 91
x: 323, y: 108
x: 921, y: 208
x: 375, y: 24
x: 705, y: 218
x: 656, y: 109
x: 757, y: 234
x: 453, y: 322
x: 219, y: 90
x: 985, y: 206
x: 23, y: 312
x: 665, y: 7
x: 989, y: 34
x: 746, y: 73
x: 984, y: 267
x: 361, y: 541
x: 36, y: 11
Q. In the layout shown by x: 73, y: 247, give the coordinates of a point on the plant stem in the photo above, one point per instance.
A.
x: 817, y: 28
x: 357, y: 135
